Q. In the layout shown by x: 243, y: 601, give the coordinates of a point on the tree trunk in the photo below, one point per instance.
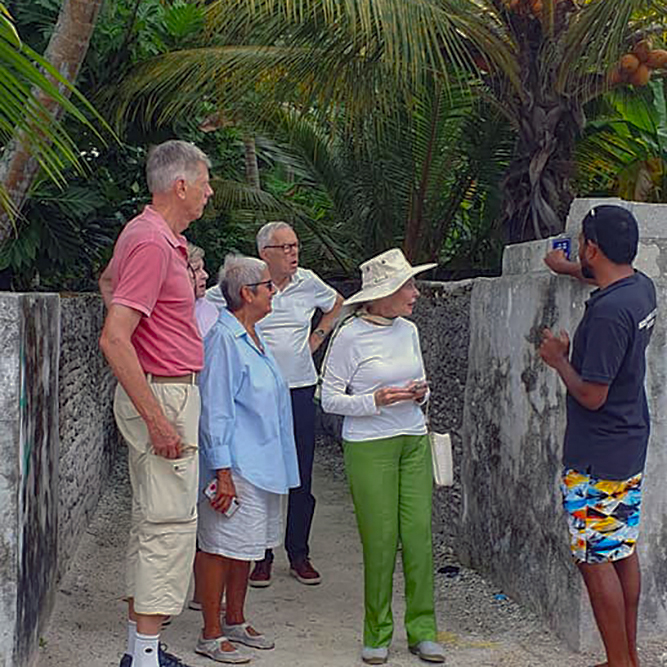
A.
x: 251, y: 165
x: 66, y: 51
x: 537, y: 191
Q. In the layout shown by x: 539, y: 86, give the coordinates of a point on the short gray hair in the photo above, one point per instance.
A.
x: 237, y: 271
x: 171, y: 161
x: 195, y: 253
x: 265, y: 234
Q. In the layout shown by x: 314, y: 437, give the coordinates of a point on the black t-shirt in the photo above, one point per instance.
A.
x: 609, y: 347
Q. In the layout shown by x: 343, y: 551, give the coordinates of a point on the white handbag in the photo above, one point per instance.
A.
x: 441, y: 453
x: 443, y: 463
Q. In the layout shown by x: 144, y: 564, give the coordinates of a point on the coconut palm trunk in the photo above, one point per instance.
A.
x: 66, y: 51
x: 251, y: 164
x: 537, y: 189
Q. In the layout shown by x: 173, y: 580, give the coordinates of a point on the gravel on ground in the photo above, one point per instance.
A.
x: 313, y: 626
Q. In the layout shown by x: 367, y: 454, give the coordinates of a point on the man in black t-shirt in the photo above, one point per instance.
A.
x: 607, y: 420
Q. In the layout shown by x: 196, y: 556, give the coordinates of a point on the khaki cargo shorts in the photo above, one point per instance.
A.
x: 163, y: 530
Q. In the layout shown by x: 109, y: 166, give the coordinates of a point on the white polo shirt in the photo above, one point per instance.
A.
x: 287, y: 327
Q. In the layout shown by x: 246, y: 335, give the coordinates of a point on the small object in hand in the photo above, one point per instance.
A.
x: 564, y: 244
x: 419, y: 386
x: 210, y: 492
x: 211, y: 489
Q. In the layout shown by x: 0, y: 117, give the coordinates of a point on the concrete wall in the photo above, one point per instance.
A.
x: 512, y: 527
x: 29, y: 345
x: 57, y: 440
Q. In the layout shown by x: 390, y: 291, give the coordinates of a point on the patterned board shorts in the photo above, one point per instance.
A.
x: 603, y: 516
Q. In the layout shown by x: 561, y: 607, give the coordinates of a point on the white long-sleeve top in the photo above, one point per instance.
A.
x: 365, y: 357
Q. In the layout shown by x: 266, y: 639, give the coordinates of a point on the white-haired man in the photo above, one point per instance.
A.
x: 151, y: 341
x: 287, y: 330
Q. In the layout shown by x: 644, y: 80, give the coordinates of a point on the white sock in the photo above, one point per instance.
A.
x: 131, y: 636
x: 145, y: 651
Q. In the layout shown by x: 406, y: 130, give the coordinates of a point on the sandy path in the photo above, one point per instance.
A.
x: 316, y: 626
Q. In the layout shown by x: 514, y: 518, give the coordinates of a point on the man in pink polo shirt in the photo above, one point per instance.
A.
x: 151, y: 341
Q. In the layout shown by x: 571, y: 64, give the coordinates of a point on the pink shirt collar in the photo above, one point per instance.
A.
x: 155, y: 218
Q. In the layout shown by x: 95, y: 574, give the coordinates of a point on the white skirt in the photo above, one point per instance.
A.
x: 256, y: 525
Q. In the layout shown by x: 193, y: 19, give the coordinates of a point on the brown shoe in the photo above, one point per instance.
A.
x: 305, y: 573
x: 261, y: 575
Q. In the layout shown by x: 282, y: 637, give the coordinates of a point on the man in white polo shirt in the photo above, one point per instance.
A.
x: 287, y: 329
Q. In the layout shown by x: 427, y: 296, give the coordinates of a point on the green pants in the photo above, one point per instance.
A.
x: 392, y: 485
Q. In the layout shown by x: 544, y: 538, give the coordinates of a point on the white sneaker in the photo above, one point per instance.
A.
x: 211, y: 648
x: 429, y: 651
x: 239, y: 634
x: 375, y: 656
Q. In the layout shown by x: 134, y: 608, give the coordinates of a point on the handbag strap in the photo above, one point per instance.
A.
x: 339, y: 325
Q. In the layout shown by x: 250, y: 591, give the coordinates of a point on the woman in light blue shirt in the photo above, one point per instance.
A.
x: 247, y: 447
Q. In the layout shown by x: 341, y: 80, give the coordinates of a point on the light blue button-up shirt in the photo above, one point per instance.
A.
x: 246, y: 417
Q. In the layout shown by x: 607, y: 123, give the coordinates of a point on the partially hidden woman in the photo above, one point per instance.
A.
x: 374, y: 376
x: 247, y: 446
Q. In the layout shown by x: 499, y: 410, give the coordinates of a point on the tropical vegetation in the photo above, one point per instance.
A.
x: 31, y: 86
x: 449, y: 127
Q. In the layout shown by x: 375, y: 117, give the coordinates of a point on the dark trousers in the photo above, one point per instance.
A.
x: 301, y: 502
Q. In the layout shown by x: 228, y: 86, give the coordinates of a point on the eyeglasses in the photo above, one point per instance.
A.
x: 286, y: 247
x: 268, y: 283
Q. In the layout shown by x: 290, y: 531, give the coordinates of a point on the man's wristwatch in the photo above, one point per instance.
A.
x: 321, y: 333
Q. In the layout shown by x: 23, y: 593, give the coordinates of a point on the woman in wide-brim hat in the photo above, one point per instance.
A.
x: 374, y: 376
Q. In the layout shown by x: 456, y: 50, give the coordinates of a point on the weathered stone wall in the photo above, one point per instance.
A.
x: 442, y: 315
x: 512, y: 525
x: 57, y: 440
x: 29, y: 456
x: 88, y: 435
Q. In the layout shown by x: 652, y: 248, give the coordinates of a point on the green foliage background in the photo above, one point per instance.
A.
x: 347, y: 199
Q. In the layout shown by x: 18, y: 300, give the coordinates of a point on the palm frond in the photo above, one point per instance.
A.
x: 317, y: 55
x: 25, y: 115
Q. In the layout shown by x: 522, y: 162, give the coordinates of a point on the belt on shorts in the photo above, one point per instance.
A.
x: 190, y: 378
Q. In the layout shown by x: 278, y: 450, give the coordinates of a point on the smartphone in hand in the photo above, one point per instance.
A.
x: 564, y: 244
x: 418, y: 386
x: 210, y: 491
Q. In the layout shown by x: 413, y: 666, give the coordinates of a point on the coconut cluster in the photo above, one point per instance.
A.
x: 637, y: 67
x: 531, y: 7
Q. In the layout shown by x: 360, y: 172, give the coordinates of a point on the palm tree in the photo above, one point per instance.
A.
x: 537, y: 61
x: 412, y: 186
x: 34, y: 96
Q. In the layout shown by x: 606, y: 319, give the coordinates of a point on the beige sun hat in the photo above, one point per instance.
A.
x: 384, y: 274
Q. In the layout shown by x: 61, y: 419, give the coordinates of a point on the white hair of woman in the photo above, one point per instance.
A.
x: 265, y: 234
x: 171, y: 161
x: 239, y: 271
